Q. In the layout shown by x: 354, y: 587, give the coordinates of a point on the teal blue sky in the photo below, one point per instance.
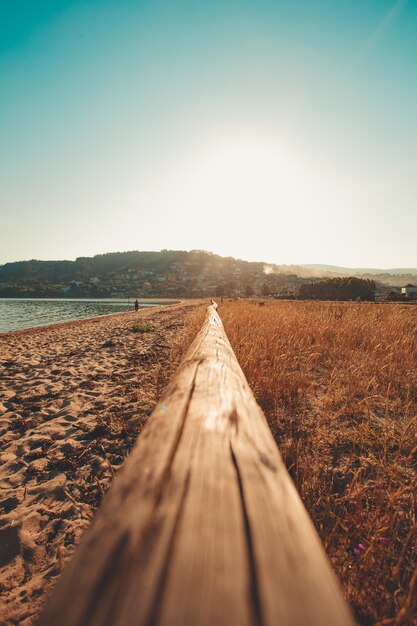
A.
x: 282, y: 131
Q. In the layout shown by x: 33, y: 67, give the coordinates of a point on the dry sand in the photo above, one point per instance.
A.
x: 73, y: 398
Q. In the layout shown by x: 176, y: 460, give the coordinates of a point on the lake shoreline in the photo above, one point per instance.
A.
x: 17, y: 314
x: 94, y: 319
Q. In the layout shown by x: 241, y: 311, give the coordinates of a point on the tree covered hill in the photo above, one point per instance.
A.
x: 103, y: 264
x: 169, y: 273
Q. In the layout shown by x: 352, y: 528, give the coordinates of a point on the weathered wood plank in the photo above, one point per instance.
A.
x: 203, y: 525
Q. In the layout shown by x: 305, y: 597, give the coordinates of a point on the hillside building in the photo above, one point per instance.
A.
x: 409, y: 290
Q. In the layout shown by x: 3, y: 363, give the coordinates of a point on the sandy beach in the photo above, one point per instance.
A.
x: 73, y: 398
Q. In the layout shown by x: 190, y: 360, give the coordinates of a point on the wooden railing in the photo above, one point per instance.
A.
x: 202, y: 526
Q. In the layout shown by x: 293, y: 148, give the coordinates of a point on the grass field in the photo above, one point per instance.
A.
x: 337, y: 382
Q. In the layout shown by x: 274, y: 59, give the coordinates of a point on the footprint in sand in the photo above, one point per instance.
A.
x: 9, y: 544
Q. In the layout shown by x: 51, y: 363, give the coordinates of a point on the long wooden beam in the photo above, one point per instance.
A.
x: 202, y: 526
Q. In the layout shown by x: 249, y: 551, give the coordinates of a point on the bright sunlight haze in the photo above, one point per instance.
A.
x: 276, y: 131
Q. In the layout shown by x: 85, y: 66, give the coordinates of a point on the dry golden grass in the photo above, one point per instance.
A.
x: 338, y: 383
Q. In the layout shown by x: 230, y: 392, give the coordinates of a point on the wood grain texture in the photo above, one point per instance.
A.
x: 202, y: 526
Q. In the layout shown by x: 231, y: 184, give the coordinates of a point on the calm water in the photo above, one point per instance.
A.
x: 18, y: 313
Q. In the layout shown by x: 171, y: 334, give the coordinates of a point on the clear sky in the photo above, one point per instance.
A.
x: 282, y: 131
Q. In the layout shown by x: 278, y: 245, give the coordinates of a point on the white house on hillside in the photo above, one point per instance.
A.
x: 409, y: 290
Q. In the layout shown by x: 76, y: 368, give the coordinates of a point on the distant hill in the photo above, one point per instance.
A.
x: 357, y: 271
x: 173, y: 273
x: 132, y: 274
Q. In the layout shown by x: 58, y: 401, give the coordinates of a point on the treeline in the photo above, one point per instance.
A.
x: 170, y: 273
x: 104, y: 264
x: 136, y: 273
x: 101, y: 264
x: 350, y: 288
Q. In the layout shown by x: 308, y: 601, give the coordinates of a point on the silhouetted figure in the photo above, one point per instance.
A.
x: 136, y: 305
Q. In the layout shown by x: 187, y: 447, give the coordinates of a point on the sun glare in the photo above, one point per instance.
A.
x: 237, y: 192
x: 244, y: 173
x: 248, y: 168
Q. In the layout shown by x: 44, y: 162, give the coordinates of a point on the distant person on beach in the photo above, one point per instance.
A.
x: 136, y: 305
